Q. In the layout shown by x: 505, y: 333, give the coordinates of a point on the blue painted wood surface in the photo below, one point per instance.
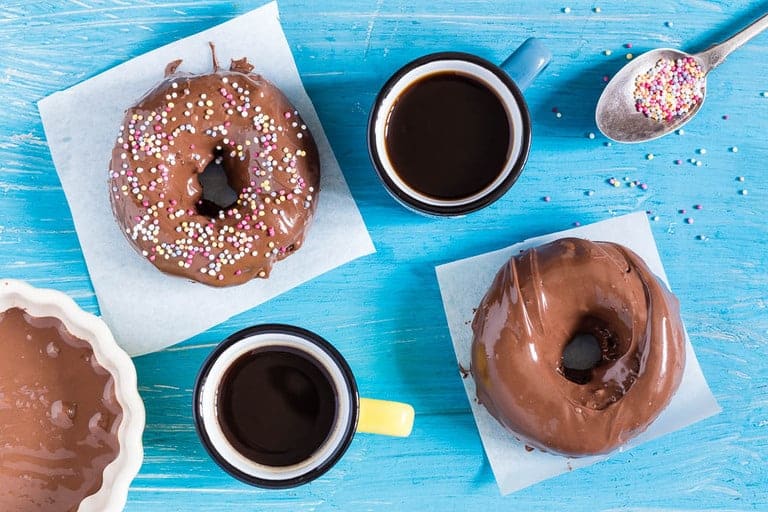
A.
x: 384, y: 312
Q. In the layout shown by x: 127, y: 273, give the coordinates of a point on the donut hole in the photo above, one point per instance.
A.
x: 580, y: 355
x: 594, y: 345
x: 217, y: 191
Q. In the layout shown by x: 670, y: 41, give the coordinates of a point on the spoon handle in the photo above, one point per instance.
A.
x: 715, y: 55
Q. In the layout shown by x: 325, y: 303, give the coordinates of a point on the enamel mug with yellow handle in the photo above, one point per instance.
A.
x: 276, y: 406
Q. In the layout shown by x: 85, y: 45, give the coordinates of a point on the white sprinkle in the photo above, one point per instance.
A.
x: 744, y: 192
x: 655, y: 218
x: 702, y: 151
x: 764, y: 94
x: 597, y: 9
x: 740, y: 178
x: 591, y: 135
x: 566, y: 10
x: 698, y: 163
x: 680, y: 132
x: 558, y: 115
x: 668, y: 24
x: 649, y: 156
x: 734, y: 149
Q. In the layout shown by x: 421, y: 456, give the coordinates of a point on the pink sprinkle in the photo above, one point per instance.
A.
x: 606, y: 78
x: 681, y: 211
x: 546, y: 199
x: 628, y: 45
x: 644, y: 186
x: 577, y: 223
x: 689, y: 220
x: 238, y: 272
x: 221, y: 277
x: 554, y: 110
x: 725, y: 117
x: 287, y: 115
x: 697, y: 206
x: 152, y: 258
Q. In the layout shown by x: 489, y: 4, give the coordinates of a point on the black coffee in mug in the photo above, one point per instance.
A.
x: 448, y: 136
x: 449, y: 133
x: 276, y: 406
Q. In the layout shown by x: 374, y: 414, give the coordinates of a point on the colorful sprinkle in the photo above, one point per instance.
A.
x: 591, y: 135
x: 678, y: 162
x: 607, y: 144
x: 589, y: 193
x: 734, y: 149
x: 740, y: 178
x: 702, y: 151
x: 607, y: 52
x: 744, y: 192
x: 670, y: 89
x: 701, y: 237
x: 655, y: 218
x: 566, y: 10
x: 668, y: 24
x: 546, y: 199
x: 689, y: 220
x: 559, y: 115
x: 697, y: 206
x: 649, y: 156
x: 725, y: 117
x: 680, y: 131
x: 627, y: 45
x: 629, y: 56
x: 596, y: 9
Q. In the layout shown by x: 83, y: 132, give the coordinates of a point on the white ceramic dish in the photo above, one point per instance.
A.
x: 113, y: 493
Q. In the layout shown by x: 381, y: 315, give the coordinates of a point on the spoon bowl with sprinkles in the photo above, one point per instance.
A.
x: 661, y: 90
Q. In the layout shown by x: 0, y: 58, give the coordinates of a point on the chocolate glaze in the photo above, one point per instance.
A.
x: 169, y: 138
x: 58, y: 416
x: 537, y: 303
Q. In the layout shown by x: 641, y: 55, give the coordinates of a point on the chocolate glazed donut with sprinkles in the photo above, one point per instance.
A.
x: 167, y: 140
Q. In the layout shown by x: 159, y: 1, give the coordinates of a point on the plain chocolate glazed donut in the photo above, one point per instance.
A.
x: 539, y: 301
x: 168, y: 139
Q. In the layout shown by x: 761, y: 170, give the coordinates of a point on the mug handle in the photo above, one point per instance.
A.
x: 385, y: 417
x: 525, y: 63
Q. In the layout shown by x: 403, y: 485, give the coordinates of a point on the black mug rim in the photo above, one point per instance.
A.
x: 350, y: 427
x: 491, y: 197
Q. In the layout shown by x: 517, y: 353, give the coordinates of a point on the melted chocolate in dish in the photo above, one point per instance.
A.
x: 58, y: 416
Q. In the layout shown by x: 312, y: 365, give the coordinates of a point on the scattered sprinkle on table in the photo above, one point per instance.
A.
x: 591, y: 135
x: 607, y: 52
x: 740, y: 178
x: 697, y: 207
x: 546, y: 199
x: 668, y: 24
x: 627, y: 45
x: 744, y: 192
x: 682, y: 211
x: 764, y: 94
x: 577, y: 223
x: 702, y: 151
x: 655, y: 218
x: 629, y: 56
x: 607, y: 144
x: 678, y: 162
x: 725, y: 117
x: 689, y: 220
x: 589, y: 193
x: 734, y: 149
x: 566, y: 10
x: 597, y: 9
x: 649, y: 156
x: 670, y: 89
x: 699, y: 163
x: 680, y: 131
x: 701, y: 237
x: 558, y: 115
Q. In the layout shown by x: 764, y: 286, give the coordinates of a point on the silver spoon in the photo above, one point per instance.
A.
x: 616, y: 115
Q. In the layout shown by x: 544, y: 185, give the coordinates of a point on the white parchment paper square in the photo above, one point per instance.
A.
x: 463, y: 284
x: 145, y: 309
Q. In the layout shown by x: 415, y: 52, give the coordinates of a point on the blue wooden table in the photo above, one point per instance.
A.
x: 384, y: 311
